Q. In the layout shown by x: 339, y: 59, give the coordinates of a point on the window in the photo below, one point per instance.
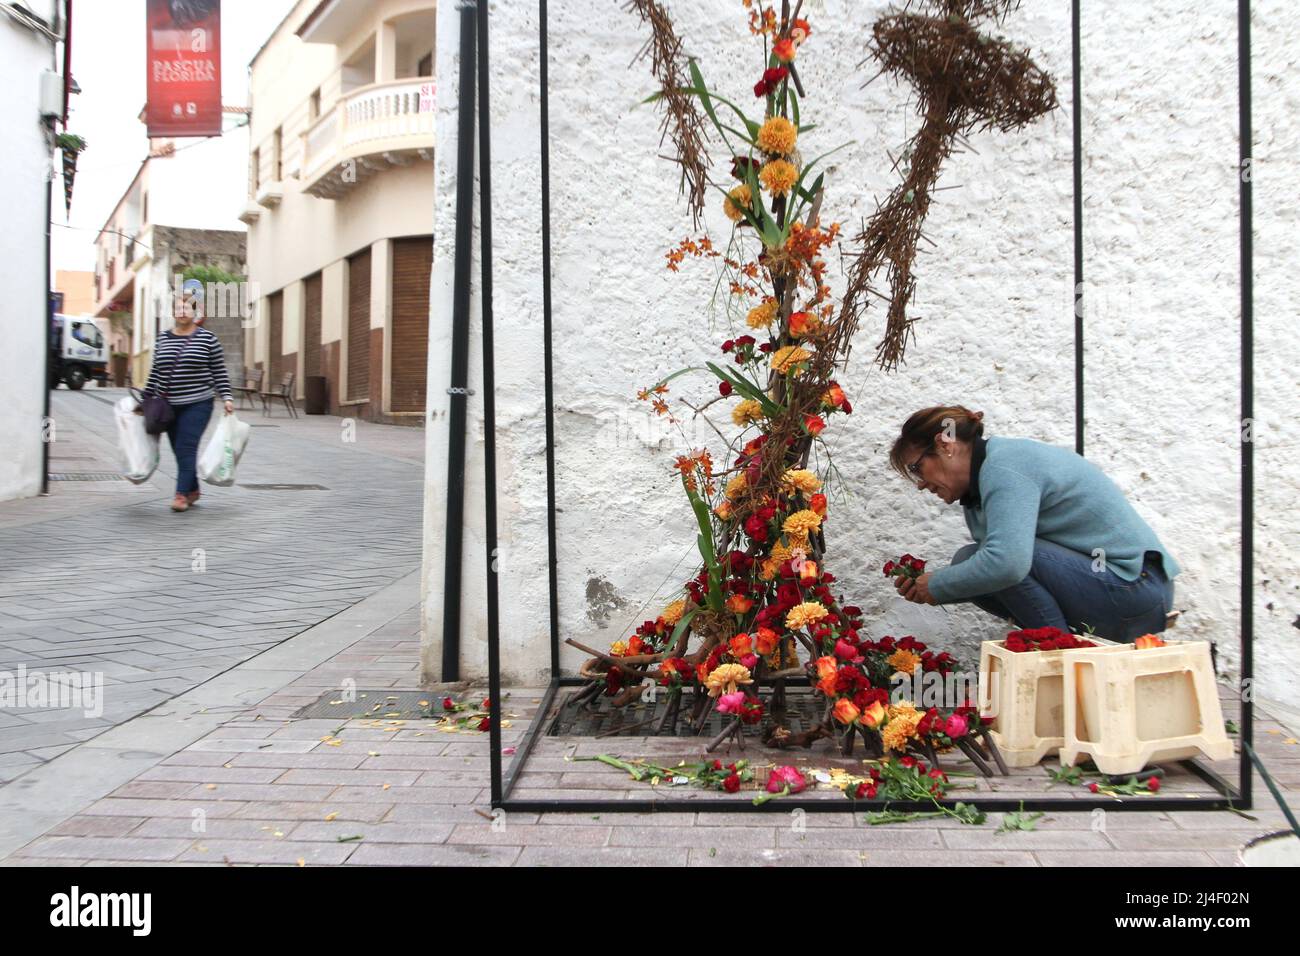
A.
x: 256, y: 170
x: 425, y: 66
x: 313, y: 107
x: 279, y: 156
x: 86, y: 333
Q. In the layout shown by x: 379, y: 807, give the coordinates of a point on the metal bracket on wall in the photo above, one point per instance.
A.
x: 455, y: 390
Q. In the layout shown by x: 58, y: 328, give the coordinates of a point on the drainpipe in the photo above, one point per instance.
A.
x: 459, y: 389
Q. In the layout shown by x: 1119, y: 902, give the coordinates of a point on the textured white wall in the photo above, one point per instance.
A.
x: 995, y: 294
x: 25, y: 157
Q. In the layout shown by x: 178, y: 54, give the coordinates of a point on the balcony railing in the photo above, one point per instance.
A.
x: 393, y: 119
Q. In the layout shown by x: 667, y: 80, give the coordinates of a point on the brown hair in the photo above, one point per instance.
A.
x: 920, y: 429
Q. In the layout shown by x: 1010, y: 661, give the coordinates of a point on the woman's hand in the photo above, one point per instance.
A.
x: 230, y: 407
x: 915, y: 590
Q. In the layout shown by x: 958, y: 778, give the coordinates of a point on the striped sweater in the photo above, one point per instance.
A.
x: 199, y: 376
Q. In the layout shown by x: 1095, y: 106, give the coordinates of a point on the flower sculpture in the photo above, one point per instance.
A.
x: 761, y: 608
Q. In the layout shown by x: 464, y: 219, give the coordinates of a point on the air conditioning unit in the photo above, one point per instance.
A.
x: 51, y: 94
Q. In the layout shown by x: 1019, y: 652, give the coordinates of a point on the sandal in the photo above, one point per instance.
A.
x: 180, y: 503
x: 193, y: 496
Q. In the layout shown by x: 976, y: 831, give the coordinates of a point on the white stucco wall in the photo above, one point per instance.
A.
x: 995, y: 294
x: 25, y: 158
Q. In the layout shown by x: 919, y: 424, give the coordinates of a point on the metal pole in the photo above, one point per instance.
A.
x: 549, y: 376
x: 1076, y: 46
x: 489, y: 399
x: 1247, y: 398
x: 459, y: 389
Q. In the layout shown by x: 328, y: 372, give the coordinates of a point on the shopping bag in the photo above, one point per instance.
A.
x: 137, y: 449
x: 217, y: 463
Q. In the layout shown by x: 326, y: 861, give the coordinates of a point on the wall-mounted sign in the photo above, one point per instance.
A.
x: 183, y: 49
x: 426, y: 97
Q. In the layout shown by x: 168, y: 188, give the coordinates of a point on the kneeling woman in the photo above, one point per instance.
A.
x: 1056, y: 542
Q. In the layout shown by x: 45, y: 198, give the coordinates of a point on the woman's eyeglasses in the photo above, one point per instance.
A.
x: 914, y: 469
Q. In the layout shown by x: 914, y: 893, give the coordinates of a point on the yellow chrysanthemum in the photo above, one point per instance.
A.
x: 901, y: 726
x: 802, y: 523
x: 787, y: 357
x: 673, y: 612
x: 618, y: 649
x: 801, y: 479
x: 767, y: 570
x: 904, y: 661
x: 761, y: 316
x: 746, y: 412
x: 781, y: 552
x: 798, y: 541
x: 778, y: 177
x: 801, y: 615
x: 736, y: 486
x: 737, y: 202
x: 726, y: 677
x: 777, y: 135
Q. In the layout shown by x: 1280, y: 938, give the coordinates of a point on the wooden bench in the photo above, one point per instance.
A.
x: 284, y: 393
x: 251, y: 388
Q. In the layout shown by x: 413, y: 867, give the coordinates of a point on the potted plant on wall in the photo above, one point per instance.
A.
x: 71, y: 146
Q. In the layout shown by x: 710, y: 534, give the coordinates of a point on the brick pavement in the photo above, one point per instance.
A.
x: 266, y: 789
x: 102, y: 578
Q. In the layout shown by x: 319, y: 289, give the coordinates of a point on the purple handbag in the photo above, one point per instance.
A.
x: 158, y: 414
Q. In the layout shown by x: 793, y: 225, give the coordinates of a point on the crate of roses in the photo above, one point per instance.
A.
x: 1022, y: 689
x: 1157, y: 701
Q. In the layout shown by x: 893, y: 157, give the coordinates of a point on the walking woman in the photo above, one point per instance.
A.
x: 189, y: 370
x: 1056, y: 543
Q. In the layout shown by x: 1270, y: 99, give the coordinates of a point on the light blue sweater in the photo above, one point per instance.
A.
x: 1030, y: 490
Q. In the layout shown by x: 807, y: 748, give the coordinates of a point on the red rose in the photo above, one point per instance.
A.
x: 908, y: 762
x: 487, y: 702
x: 1093, y: 787
x: 756, y: 528
x: 728, y: 345
x: 1153, y: 784
x: 485, y: 724
x: 732, y: 783
x: 717, y: 765
x: 889, y: 568
x: 724, y: 387
x: 448, y: 704
x: 814, y: 424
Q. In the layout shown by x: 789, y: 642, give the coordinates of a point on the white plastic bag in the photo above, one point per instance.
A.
x: 138, y: 450
x: 217, y: 463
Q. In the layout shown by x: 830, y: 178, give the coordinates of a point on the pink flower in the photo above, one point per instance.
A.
x: 846, y: 651
x: 731, y: 703
x: 783, y: 777
x: 750, y: 661
x: 956, y: 726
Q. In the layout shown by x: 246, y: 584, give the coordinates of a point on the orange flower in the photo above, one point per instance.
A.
x: 818, y: 505
x: 783, y: 50
x: 814, y: 424
x: 845, y: 712
x: 766, y: 640
x: 788, y: 357
x: 1148, y: 640
x: 737, y: 203
x: 801, y: 323
x: 874, y: 714
x: 777, y: 135
x: 903, y: 661
x: 724, y: 511
x: 827, y: 667
x: 739, y: 604
x: 808, y: 572
x: 740, y: 645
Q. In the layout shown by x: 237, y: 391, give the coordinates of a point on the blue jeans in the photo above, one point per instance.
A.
x: 1063, y: 591
x: 184, y: 433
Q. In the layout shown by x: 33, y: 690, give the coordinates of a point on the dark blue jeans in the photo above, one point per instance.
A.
x: 1063, y: 591
x: 184, y: 433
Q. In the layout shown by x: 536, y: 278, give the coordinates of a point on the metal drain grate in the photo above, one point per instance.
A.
x: 86, y: 476
x: 803, y: 711
x: 375, y: 704
x: 284, y: 487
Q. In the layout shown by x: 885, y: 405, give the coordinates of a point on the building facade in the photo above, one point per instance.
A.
x: 340, y: 204
x: 178, y: 212
x: 29, y: 49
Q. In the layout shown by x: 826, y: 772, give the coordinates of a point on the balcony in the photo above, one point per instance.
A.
x: 368, y: 130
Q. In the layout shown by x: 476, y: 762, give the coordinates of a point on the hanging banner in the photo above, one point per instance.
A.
x: 183, y: 50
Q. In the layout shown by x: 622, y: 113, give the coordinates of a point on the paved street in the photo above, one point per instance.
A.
x: 101, y: 577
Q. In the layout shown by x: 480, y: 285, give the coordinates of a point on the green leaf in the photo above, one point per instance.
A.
x: 682, y: 624
x: 746, y: 388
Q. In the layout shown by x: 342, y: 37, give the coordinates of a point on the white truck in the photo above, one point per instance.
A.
x: 78, y: 351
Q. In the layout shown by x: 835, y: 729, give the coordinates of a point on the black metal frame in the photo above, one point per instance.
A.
x: 1230, y: 797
